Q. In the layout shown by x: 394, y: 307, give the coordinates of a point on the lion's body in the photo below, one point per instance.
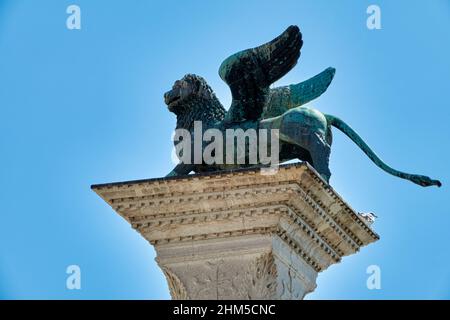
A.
x: 304, y: 133
x: 308, y: 132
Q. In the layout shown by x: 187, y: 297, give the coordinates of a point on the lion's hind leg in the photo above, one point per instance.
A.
x: 303, y: 128
x: 320, y: 155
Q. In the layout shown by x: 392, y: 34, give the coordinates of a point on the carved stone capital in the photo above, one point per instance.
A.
x: 241, y: 234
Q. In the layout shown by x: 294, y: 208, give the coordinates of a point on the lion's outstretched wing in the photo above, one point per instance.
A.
x: 249, y: 73
x: 281, y: 99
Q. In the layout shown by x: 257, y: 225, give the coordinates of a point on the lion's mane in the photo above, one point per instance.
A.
x: 204, y: 106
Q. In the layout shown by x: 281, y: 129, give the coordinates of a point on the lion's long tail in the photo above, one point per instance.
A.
x: 423, y: 181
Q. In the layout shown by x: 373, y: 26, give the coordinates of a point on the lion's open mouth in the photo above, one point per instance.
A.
x: 172, y: 97
x: 172, y: 100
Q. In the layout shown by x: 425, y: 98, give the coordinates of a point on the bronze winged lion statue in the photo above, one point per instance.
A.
x: 304, y: 133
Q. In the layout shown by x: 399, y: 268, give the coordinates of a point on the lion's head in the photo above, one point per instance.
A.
x: 190, y: 87
x: 191, y: 98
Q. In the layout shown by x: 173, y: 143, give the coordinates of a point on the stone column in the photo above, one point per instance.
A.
x: 241, y: 234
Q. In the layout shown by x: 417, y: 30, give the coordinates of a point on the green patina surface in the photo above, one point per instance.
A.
x: 304, y: 133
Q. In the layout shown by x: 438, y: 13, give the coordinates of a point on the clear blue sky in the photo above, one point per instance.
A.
x: 85, y: 106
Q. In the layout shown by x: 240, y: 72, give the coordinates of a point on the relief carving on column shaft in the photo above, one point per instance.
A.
x: 261, y: 278
x: 176, y: 287
x: 224, y: 279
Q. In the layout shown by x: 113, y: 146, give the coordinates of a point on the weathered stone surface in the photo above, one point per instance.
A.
x: 241, y: 234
